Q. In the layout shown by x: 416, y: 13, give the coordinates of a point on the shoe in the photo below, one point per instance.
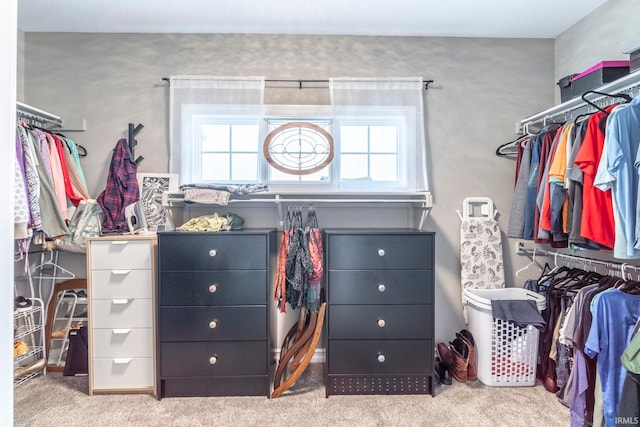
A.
x: 460, y: 351
x: 472, y: 370
x: 34, y: 367
x: 443, y: 372
x: 21, y: 303
x: 20, y: 348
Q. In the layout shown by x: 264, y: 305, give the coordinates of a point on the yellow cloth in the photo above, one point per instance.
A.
x: 211, y: 223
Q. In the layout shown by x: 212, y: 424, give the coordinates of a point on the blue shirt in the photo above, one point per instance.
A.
x: 614, y: 317
x: 618, y: 170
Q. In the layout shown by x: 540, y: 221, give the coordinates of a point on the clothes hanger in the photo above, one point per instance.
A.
x: 533, y: 262
x: 51, y: 270
x: 624, y: 96
x: 511, y: 147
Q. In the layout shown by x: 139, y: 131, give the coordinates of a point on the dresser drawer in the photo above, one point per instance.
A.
x: 123, y: 342
x: 212, y: 323
x: 125, y: 283
x: 126, y: 254
x: 117, y: 373
x: 121, y: 313
x: 213, y: 287
x: 188, y: 359
x: 380, y: 357
x: 380, y: 322
x: 212, y: 251
x: 380, y: 251
x: 381, y: 287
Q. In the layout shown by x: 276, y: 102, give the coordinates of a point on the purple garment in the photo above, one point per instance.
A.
x: 614, y: 316
x: 578, y: 393
x: 121, y: 189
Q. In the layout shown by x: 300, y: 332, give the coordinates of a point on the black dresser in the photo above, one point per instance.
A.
x: 380, y: 316
x: 212, y: 316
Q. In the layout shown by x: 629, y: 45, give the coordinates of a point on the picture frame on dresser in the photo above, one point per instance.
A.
x: 152, y: 187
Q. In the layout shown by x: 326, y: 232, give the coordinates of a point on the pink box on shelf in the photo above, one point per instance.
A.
x: 601, y: 73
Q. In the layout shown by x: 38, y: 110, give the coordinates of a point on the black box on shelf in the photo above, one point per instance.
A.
x: 634, y: 62
x: 601, y: 73
x: 565, y: 88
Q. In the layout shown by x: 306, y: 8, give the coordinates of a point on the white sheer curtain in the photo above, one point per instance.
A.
x: 352, y: 96
x: 194, y: 98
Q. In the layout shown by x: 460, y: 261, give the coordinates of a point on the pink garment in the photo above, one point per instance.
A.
x: 57, y: 175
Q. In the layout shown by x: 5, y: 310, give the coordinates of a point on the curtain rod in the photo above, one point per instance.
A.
x: 301, y: 82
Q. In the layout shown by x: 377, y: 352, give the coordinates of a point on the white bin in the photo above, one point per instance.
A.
x: 506, y: 354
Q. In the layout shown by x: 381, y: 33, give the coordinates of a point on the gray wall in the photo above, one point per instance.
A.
x: 597, y: 37
x: 483, y: 86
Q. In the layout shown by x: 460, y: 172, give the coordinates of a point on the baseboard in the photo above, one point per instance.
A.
x: 318, y: 355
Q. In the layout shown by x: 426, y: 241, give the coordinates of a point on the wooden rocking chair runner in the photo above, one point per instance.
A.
x: 296, y: 353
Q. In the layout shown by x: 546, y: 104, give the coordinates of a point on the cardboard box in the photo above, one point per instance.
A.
x: 601, y: 73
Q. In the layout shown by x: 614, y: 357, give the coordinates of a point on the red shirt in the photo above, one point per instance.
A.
x: 597, y: 211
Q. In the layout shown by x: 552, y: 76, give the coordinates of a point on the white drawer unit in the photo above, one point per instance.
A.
x: 121, y: 292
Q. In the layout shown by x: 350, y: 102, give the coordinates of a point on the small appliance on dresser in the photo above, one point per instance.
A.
x: 213, y: 312
x: 380, y: 316
x: 120, y: 288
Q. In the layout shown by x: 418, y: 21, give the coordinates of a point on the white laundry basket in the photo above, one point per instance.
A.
x: 506, y: 354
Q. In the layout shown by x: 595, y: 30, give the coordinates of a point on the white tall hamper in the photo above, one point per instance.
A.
x: 506, y: 354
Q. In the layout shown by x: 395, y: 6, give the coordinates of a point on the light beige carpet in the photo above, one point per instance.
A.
x: 55, y: 400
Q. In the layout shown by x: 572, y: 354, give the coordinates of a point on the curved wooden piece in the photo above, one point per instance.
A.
x: 293, y: 349
x: 309, y: 354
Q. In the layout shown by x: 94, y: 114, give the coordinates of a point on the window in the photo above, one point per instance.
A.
x: 378, y: 139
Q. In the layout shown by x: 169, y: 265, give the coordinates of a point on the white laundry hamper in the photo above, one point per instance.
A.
x: 506, y: 354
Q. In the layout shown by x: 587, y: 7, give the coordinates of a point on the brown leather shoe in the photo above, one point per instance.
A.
x: 460, y: 351
x: 472, y: 370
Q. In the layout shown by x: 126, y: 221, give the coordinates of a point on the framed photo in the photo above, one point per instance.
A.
x: 152, y: 185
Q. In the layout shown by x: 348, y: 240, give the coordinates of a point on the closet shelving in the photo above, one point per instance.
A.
x: 42, y: 118
x: 29, y: 328
x: 420, y: 200
x: 629, y: 84
x: 70, y: 312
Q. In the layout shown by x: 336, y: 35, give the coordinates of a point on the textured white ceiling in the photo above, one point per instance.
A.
x: 456, y: 18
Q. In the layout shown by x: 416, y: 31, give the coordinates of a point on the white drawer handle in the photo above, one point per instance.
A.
x: 381, y: 287
x: 213, y: 360
x: 121, y: 301
x: 121, y: 331
x: 380, y: 252
x: 121, y: 272
x: 381, y: 358
x: 213, y: 252
x: 119, y: 242
x: 122, y: 361
x: 213, y: 324
x: 213, y: 288
x: 381, y: 323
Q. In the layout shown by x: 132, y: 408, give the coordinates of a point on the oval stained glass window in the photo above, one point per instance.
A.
x: 298, y: 148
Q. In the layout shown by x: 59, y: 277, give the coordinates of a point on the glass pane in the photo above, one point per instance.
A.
x: 277, y: 175
x: 321, y: 176
x: 215, y: 167
x: 215, y: 138
x: 384, y: 139
x: 244, y: 167
x: 354, y: 139
x: 384, y: 167
x: 353, y: 166
x: 244, y: 138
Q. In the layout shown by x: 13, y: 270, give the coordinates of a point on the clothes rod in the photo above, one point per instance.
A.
x: 25, y: 110
x: 301, y: 82
x: 585, y: 260
x: 626, y: 84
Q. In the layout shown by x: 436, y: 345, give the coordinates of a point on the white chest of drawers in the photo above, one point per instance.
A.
x: 121, y: 277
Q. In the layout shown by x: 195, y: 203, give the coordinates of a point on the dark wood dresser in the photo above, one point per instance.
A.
x: 213, y: 317
x: 380, y: 316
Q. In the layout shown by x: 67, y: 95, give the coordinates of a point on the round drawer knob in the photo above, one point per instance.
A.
x: 213, y: 288
x: 213, y: 252
x: 381, y: 287
x: 381, y: 323
x: 213, y: 360
x: 381, y: 358
x: 380, y: 252
x: 213, y: 324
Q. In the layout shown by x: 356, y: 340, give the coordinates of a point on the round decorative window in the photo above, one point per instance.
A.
x: 298, y: 148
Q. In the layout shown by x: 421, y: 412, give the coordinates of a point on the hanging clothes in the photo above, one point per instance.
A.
x: 121, y: 189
